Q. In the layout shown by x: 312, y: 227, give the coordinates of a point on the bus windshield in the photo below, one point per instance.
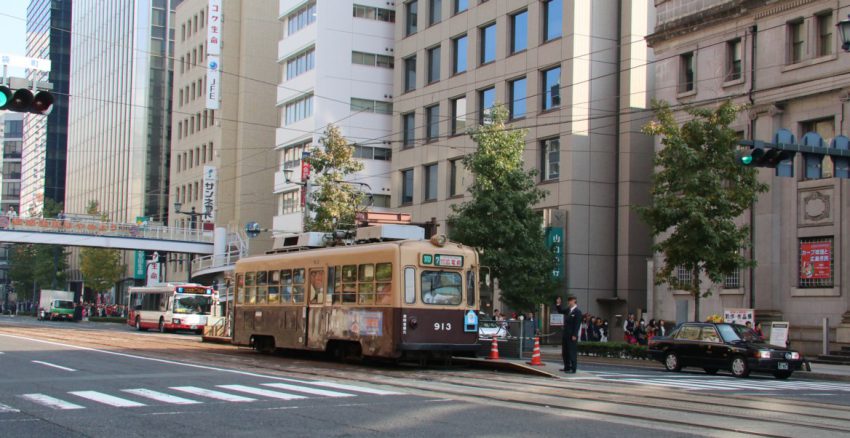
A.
x: 192, y: 304
x: 62, y: 304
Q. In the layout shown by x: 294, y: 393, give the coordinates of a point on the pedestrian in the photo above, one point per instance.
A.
x: 651, y: 329
x: 629, y: 329
x: 640, y: 333
x: 572, y: 324
x: 759, y: 331
x: 603, y: 330
x: 660, y: 329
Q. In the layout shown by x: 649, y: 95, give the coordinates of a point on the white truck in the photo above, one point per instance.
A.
x: 56, y: 304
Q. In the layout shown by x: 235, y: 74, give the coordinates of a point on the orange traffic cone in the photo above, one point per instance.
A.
x: 494, y: 350
x: 535, y: 356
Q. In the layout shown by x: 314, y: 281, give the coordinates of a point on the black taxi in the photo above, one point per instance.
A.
x: 722, y: 346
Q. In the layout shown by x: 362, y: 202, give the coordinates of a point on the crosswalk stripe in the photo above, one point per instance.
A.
x: 721, y: 384
x: 666, y: 384
x: 262, y: 392
x: 160, y: 396
x: 51, y: 402
x: 729, y: 384
x: 209, y: 393
x: 345, y: 387
x: 321, y: 392
x: 7, y: 409
x: 107, y: 399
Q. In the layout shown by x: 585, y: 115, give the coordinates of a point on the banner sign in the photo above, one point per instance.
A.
x: 815, y: 260
x: 139, y: 265
x: 210, y: 181
x: 214, y: 28
x: 154, y: 273
x: 555, y: 243
x: 305, y: 175
x: 740, y: 316
x: 213, y: 90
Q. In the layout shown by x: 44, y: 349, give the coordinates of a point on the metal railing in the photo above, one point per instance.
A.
x: 515, y: 337
x: 105, y: 229
x: 237, y: 246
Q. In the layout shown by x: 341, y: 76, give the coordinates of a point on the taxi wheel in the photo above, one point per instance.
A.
x: 782, y: 375
x: 671, y: 362
x: 711, y: 371
x: 740, y: 367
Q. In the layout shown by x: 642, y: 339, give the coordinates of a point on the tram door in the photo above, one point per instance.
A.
x: 314, y: 315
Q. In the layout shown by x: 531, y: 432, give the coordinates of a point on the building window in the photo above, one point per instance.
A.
x: 431, y: 182
x: 460, y: 6
x: 210, y: 151
x: 371, y: 106
x: 686, y: 72
x: 684, y: 276
x: 486, y: 101
x: 519, y: 31
x: 372, y: 59
x: 300, y: 63
x: 301, y: 18
x: 410, y: 73
x: 408, y: 122
x: 552, y: 18
x: 410, y: 17
x: 814, y: 162
x: 299, y: 109
x: 289, y: 202
x: 796, y: 41
x: 733, y: 280
x: 551, y: 159
x: 370, y: 153
x: 290, y: 156
x: 517, y: 98
x: 455, y: 183
x: 488, y: 43
x: 733, y: 60
x: 459, y: 46
x: 825, y: 28
x: 435, y: 11
x: 551, y: 88
x: 407, y: 187
x: 816, y: 262
x: 372, y: 13
x: 458, y: 115
x: 433, y: 64
x: 432, y: 123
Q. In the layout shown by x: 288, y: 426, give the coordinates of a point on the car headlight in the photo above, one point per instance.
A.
x: 175, y: 321
x: 764, y: 354
x: 795, y: 355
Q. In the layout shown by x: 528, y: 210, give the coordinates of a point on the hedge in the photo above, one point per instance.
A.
x: 613, y: 349
x: 107, y: 319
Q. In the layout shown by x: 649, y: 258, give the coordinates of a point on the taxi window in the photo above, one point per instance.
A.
x: 688, y: 333
x: 709, y: 334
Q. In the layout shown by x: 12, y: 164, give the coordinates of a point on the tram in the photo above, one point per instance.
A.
x: 395, y: 299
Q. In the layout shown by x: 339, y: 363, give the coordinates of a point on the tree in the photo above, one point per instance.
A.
x: 335, y: 202
x: 698, y: 191
x: 101, y: 267
x: 500, y: 221
x: 34, y: 266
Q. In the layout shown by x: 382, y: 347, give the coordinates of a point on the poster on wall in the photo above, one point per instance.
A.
x: 740, y: 316
x: 815, y: 260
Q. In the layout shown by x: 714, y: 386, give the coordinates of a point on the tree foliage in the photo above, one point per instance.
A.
x: 500, y: 221
x: 35, y: 266
x: 101, y: 267
x: 698, y: 192
x: 334, y: 203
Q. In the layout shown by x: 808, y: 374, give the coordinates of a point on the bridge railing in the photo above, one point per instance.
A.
x: 104, y: 229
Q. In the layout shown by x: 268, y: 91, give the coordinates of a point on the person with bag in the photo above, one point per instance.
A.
x: 629, y: 329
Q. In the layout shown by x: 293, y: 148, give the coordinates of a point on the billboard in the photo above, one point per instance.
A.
x: 815, y: 260
x: 214, y: 28
x: 213, y: 91
x: 209, y: 194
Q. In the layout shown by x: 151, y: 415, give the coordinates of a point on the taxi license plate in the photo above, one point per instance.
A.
x: 783, y: 365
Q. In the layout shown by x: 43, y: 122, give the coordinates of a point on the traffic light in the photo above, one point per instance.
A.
x: 760, y: 156
x: 252, y: 229
x: 26, y: 97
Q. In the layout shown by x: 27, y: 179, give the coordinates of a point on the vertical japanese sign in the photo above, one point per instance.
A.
x: 305, y: 175
x: 214, y: 28
x: 815, y: 260
x: 210, y: 181
x: 555, y: 243
x: 139, y: 265
x: 213, y: 90
x: 154, y: 271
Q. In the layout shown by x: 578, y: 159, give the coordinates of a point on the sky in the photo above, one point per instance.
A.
x: 13, y: 35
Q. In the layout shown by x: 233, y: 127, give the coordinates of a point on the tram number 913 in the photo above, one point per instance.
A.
x: 442, y: 326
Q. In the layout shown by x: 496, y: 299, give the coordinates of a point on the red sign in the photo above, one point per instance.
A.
x: 816, y: 260
x: 305, y: 175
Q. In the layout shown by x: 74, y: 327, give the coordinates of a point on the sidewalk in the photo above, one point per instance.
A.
x: 552, y: 354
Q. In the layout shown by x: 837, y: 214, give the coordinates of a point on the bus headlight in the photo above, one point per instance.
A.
x: 175, y: 321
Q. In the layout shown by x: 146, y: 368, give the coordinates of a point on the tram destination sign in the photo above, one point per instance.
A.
x: 442, y: 260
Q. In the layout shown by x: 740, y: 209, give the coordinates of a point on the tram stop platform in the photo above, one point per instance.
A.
x: 548, y: 369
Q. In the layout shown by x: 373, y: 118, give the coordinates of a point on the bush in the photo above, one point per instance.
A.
x: 117, y: 319
x: 613, y: 349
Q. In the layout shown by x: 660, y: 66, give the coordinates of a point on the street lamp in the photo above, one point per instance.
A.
x: 844, y: 31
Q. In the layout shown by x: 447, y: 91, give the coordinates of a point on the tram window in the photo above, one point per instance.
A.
x: 298, y: 286
x: 274, y: 277
x: 384, y: 277
x: 337, y: 273
x: 349, y: 284
x: 240, y: 288
x: 262, y: 294
x: 249, y: 278
x: 250, y: 295
x: 470, y: 288
x: 409, y: 285
x: 262, y: 278
x: 331, y: 282
x: 440, y: 287
x: 286, y: 287
x: 274, y: 294
x: 366, y: 293
x: 367, y: 273
x: 317, y: 289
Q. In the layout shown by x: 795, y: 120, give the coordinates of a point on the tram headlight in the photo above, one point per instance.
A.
x: 413, y: 322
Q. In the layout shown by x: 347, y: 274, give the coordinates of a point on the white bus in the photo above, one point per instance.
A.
x: 170, y: 307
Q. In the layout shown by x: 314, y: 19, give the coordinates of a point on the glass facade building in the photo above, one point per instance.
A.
x: 45, y: 145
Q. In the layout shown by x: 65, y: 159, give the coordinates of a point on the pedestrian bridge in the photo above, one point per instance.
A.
x: 100, y: 234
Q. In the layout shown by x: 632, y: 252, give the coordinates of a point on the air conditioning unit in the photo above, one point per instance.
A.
x: 389, y: 232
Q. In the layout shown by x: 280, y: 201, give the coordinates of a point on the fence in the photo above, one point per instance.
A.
x: 515, y: 337
x: 106, y: 229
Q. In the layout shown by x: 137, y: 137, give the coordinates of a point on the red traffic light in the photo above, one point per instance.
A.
x: 42, y: 103
x: 21, y: 100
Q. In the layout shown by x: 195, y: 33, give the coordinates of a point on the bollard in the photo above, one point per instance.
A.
x: 825, y: 336
x: 521, y: 337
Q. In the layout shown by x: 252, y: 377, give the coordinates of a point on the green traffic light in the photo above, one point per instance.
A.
x: 747, y: 160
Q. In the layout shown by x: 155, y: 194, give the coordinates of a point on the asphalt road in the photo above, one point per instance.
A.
x: 91, y: 379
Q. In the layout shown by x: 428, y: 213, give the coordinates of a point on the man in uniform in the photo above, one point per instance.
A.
x: 572, y: 325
